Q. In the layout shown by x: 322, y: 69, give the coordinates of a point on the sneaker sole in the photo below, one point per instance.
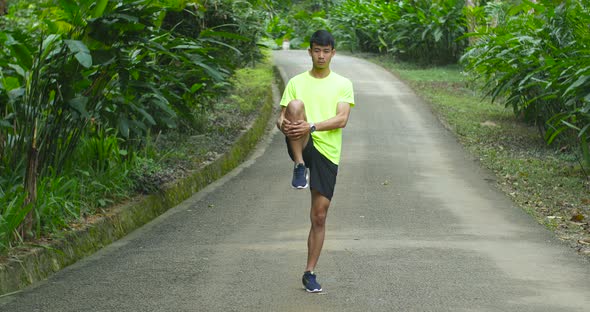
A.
x: 313, y: 291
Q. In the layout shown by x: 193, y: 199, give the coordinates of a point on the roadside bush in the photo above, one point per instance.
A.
x: 536, y: 60
x: 421, y: 31
x: 70, y: 67
x: 296, y: 22
x: 13, y: 212
x: 361, y: 25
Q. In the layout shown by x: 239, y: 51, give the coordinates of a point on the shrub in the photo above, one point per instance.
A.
x: 537, y: 61
x: 421, y: 31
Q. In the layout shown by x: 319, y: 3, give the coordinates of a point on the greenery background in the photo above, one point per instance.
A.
x: 103, y: 100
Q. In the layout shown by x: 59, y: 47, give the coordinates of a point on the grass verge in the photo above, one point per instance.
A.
x: 546, y: 181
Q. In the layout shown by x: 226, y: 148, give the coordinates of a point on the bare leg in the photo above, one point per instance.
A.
x: 296, y: 112
x: 315, y: 240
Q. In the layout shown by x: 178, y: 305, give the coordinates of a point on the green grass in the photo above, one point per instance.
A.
x: 229, y: 115
x: 412, y: 72
x: 546, y: 181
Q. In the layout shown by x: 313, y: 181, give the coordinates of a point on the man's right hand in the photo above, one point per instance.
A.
x: 295, y: 130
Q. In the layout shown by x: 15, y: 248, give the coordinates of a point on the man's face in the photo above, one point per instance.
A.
x: 321, y: 55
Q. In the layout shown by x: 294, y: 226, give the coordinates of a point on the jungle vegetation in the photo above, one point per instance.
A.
x: 87, y: 87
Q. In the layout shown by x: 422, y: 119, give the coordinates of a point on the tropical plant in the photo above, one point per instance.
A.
x: 536, y: 61
x: 422, y: 31
x: 13, y: 213
x: 362, y: 25
x: 296, y: 21
x: 70, y: 68
x: 429, y: 31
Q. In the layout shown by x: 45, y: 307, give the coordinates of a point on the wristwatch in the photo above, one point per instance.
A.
x: 311, y: 127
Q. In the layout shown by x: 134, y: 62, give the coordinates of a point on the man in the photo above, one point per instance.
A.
x: 315, y: 107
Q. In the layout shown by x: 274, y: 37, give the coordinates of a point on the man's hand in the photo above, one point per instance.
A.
x: 295, y: 130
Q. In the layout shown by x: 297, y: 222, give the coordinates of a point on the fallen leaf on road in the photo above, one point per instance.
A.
x: 489, y: 123
x: 577, y: 217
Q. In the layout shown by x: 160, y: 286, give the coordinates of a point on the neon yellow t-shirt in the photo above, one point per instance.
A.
x: 321, y: 98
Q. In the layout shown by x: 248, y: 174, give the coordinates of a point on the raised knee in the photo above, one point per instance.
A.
x: 296, y: 107
x: 296, y: 103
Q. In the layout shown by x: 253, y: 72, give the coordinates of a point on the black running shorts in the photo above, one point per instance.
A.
x: 322, y: 172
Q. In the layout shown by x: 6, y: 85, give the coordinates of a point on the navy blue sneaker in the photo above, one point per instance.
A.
x: 309, y: 282
x: 299, y: 177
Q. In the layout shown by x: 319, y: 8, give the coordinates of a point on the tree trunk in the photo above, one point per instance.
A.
x: 26, y: 228
x: 3, y: 7
x: 471, y: 22
x: 2, y: 143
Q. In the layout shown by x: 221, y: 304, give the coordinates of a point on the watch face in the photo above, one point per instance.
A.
x: 312, y: 128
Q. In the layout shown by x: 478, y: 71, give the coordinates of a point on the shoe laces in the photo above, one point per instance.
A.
x: 311, y: 279
x: 299, y: 171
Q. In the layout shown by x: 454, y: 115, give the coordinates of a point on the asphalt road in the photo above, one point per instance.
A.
x: 415, y: 225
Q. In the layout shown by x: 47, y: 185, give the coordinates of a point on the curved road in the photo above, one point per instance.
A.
x: 415, y: 225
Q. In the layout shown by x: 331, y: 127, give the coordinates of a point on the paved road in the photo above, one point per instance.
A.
x: 415, y: 225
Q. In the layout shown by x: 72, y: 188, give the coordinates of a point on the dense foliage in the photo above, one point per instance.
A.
x: 296, y: 21
x: 424, y: 31
x: 535, y: 58
x: 84, y: 83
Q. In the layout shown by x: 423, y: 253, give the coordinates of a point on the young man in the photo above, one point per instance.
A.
x: 315, y: 107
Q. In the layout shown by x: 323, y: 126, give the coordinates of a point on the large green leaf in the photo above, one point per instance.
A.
x: 85, y: 59
x: 22, y: 54
x: 123, y: 125
x: 10, y: 83
x: 5, y: 124
x: 99, y: 8
x: 80, y: 51
x: 581, y: 80
x: 79, y: 104
x: 19, y: 70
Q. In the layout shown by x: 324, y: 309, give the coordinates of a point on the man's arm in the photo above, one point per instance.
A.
x: 300, y: 128
x: 336, y: 122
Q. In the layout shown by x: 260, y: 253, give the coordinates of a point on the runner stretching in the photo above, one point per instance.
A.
x: 315, y: 107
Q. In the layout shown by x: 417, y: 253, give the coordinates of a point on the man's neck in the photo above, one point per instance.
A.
x: 319, y: 73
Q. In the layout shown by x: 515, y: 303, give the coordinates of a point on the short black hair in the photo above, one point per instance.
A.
x: 322, y: 38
